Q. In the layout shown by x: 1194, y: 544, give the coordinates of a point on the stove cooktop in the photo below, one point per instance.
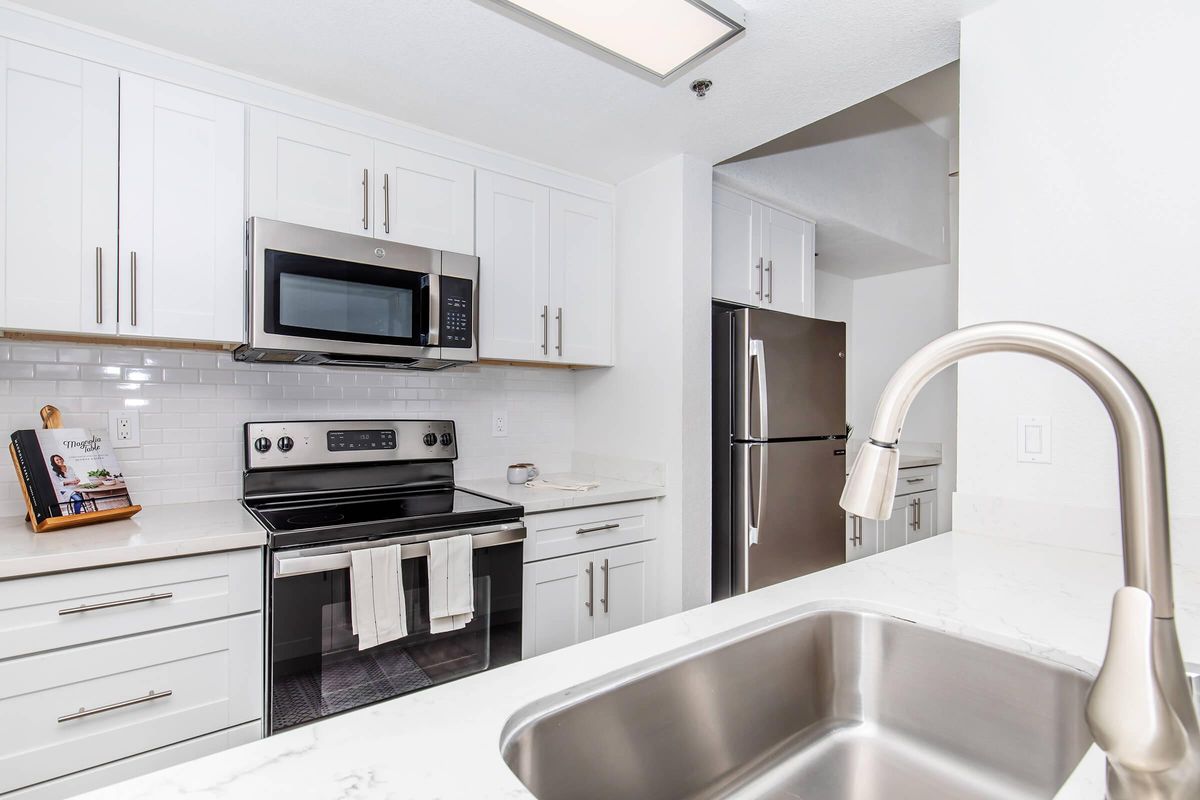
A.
x: 301, y: 521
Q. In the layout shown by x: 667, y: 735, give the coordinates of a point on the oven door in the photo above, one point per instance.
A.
x: 316, y: 668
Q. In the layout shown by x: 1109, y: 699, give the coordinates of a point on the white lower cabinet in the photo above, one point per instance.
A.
x: 121, y: 662
x: 914, y: 517
x: 594, y: 574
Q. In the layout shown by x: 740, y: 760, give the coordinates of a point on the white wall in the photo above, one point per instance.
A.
x: 655, y: 403
x: 1079, y: 208
x: 888, y: 318
x: 192, y: 405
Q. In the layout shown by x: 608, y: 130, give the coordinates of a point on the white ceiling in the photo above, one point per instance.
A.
x: 459, y: 67
x: 933, y: 99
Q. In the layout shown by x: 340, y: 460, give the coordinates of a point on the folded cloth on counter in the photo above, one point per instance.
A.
x: 377, y: 612
x: 570, y: 486
x: 451, y: 584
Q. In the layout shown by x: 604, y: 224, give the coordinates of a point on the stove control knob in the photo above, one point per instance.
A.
x: 262, y: 444
x: 446, y: 440
x: 430, y: 439
x: 285, y: 443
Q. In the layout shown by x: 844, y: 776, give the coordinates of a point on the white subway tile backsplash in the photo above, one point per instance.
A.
x: 193, y: 405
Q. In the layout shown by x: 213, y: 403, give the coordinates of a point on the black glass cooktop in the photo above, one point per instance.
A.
x: 378, y: 514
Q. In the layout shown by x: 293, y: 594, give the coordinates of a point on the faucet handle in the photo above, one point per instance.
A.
x: 1128, y: 712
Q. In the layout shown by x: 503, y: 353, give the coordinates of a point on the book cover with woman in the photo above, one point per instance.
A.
x: 83, y: 470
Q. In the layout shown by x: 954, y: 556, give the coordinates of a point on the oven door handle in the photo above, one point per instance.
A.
x: 433, y: 337
x: 286, y: 564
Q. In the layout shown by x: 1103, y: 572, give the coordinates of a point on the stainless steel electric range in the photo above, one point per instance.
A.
x: 324, y: 488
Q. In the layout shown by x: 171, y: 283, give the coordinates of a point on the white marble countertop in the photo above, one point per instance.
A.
x: 538, y: 500
x: 166, y: 531
x: 444, y: 742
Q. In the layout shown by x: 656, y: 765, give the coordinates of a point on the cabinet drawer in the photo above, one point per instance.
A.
x: 212, y: 671
x: 125, y: 600
x: 578, y: 530
x: 916, y: 479
x: 143, y: 764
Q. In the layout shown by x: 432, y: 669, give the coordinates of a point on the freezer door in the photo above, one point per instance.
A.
x: 789, y: 376
x: 787, y: 521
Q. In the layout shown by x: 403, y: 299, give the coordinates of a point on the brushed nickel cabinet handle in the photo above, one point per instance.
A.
x: 912, y: 520
x: 919, y: 514
x: 608, y: 526
x: 387, y: 224
x: 133, y: 288
x: 366, y: 199
x: 545, y: 330
x: 759, y: 267
x: 560, y: 324
x: 604, y: 595
x: 128, y: 601
x: 99, y: 285
x: 88, y: 712
x: 591, y: 589
x: 914, y: 480
x: 770, y: 280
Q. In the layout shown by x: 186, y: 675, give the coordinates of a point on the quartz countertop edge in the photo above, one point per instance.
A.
x: 165, y: 531
x: 542, y: 499
x: 444, y: 742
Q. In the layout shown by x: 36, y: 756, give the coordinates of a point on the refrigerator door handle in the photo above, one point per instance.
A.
x: 758, y: 363
x: 757, y: 494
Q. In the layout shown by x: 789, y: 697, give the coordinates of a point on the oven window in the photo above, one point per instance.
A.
x: 345, y: 307
x: 317, y: 669
x: 324, y: 298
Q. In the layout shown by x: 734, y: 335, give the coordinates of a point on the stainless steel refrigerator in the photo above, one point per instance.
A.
x: 779, y: 447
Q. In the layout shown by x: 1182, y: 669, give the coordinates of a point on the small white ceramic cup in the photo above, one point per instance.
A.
x: 520, y: 473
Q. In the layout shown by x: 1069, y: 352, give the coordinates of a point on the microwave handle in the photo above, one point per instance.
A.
x: 433, y: 339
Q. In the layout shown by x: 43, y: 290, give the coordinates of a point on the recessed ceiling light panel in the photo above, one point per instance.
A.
x: 658, y: 36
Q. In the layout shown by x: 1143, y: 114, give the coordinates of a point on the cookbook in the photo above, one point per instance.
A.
x: 69, y: 471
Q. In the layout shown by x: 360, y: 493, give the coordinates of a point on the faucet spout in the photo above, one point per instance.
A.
x: 1138, y: 760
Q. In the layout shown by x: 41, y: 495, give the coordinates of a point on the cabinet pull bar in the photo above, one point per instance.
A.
x: 545, y: 330
x: 604, y: 596
x: 99, y: 285
x: 128, y: 601
x: 770, y: 280
x: 87, y: 712
x: 560, y: 324
x: 366, y: 199
x: 913, y: 480
x: 133, y: 288
x: 759, y: 267
x: 387, y: 212
x: 591, y: 589
x: 608, y: 526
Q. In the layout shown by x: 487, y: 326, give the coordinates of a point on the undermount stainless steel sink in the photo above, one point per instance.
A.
x: 820, y: 705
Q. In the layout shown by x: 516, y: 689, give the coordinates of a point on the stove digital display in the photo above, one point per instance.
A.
x: 361, y: 440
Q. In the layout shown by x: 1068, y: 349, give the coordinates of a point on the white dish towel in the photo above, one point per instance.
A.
x: 451, y: 584
x: 377, y: 612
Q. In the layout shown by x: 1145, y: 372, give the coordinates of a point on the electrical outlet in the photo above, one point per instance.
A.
x: 500, y: 422
x: 124, y: 428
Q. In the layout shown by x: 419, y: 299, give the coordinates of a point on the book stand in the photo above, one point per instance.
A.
x: 52, y: 418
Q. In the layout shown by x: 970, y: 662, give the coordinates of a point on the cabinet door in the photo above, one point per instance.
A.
x: 623, y: 593
x: 58, y: 207
x: 737, y: 256
x: 309, y: 174
x: 513, y: 245
x: 581, y: 279
x: 424, y: 200
x: 555, y: 614
x: 894, y: 531
x: 862, y: 537
x: 924, y: 511
x: 182, y: 219
x: 789, y: 273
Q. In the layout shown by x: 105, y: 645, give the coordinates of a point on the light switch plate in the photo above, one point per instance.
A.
x: 1034, y: 440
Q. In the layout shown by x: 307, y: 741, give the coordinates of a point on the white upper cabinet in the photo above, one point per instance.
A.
x: 789, y: 274
x: 424, y: 200
x: 181, y: 232
x: 59, y: 202
x: 309, y: 174
x: 581, y: 279
x: 737, y: 248
x: 513, y: 242
x: 761, y: 257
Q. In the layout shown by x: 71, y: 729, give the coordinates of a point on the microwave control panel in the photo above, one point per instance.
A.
x: 456, y: 312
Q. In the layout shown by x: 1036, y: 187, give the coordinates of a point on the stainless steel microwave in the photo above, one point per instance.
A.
x: 319, y: 297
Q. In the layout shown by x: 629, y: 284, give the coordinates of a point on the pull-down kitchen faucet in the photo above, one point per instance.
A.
x: 1140, y: 709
